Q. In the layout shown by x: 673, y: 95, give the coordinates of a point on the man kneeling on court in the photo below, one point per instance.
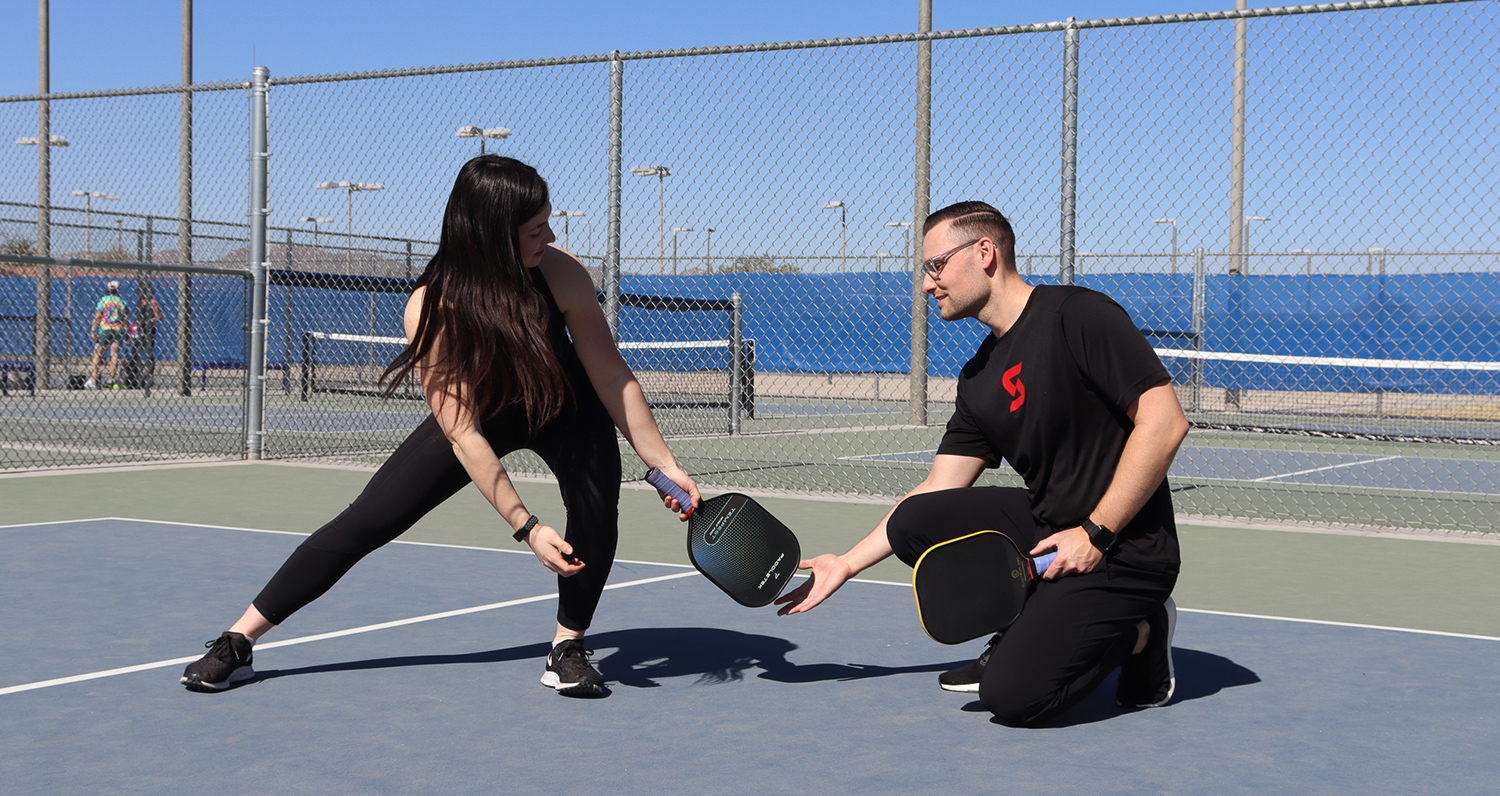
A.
x: 1068, y: 391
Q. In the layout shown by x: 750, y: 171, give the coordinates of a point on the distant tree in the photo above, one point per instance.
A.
x: 118, y: 253
x: 18, y: 246
x: 759, y: 264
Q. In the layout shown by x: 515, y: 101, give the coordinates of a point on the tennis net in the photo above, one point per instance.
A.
x: 690, y: 384
x: 1357, y: 398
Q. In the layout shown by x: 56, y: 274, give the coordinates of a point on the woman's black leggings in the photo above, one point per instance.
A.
x: 579, y: 446
x: 1074, y: 630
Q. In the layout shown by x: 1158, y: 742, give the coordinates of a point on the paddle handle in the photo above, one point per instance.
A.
x: 668, y: 487
x: 1042, y: 562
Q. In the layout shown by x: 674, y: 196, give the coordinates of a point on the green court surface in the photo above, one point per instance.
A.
x: 1433, y: 582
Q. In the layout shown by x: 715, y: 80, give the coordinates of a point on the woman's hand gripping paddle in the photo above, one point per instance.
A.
x: 973, y: 586
x: 738, y: 545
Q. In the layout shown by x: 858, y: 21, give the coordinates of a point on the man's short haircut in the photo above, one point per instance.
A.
x: 979, y: 220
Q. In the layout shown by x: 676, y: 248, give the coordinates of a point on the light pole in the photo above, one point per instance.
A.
x: 1173, y: 222
x: 906, y: 228
x: 880, y: 260
x: 88, y: 216
x: 352, y: 188
x: 708, y: 251
x: 315, y: 221
x: 474, y: 131
x: 843, y: 231
x: 567, y: 216
x: 676, y: 230
x: 661, y: 173
x: 1245, y: 269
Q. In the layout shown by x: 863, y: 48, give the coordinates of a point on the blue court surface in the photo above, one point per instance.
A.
x: 419, y: 674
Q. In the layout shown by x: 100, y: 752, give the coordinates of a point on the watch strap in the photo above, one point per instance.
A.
x: 521, y: 533
x: 1100, y: 536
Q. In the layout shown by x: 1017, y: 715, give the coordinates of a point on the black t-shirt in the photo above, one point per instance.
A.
x: 1050, y: 397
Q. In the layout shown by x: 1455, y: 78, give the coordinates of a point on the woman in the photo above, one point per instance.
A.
x: 489, y: 326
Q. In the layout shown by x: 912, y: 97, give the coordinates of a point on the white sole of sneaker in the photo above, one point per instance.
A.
x: 239, y: 675
x: 966, y: 688
x: 1171, y: 606
x: 551, y: 680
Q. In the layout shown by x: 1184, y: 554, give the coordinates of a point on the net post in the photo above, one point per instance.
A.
x: 736, y: 361
x: 1200, y: 306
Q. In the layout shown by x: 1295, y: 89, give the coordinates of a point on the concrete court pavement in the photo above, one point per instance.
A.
x: 1430, y: 582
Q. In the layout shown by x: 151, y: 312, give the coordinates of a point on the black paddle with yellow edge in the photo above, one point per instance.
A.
x: 973, y: 585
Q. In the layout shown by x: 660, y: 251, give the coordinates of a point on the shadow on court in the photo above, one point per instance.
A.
x: 641, y: 658
x: 1199, y: 674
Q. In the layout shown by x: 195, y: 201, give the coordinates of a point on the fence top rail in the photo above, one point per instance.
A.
x: 735, y: 49
x: 122, y: 265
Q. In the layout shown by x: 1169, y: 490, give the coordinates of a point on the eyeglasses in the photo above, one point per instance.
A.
x: 933, y: 266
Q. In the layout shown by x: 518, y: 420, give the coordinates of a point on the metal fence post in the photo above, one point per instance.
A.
x: 611, y: 275
x: 185, y: 208
x: 917, y: 379
x: 1237, y: 153
x: 1200, y: 310
x: 736, y: 360
x: 1069, y: 209
x: 259, y: 157
x: 41, y: 343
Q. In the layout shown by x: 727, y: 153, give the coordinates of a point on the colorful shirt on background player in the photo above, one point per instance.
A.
x: 111, y: 313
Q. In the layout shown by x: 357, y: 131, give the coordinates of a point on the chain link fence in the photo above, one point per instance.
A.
x: 1291, y: 202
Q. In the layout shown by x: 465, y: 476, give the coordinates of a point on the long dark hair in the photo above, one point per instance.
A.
x: 480, y: 299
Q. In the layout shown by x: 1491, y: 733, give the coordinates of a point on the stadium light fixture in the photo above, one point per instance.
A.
x: 661, y: 173
x: 1173, y: 222
x: 315, y: 221
x: 475, y: 131
x: 52, y: 140
x: 838, y: 204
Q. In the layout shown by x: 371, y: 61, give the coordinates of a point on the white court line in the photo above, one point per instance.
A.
x: 1328, y: 467
x: 78, y: 678
x: 1276, y: 618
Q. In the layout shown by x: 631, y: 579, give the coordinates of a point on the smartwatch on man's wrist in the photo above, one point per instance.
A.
x: 1100, y: 536
x: 521, y: 532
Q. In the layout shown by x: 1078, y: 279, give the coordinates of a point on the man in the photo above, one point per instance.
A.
x: 1068, y: 391
x: 108, y: 327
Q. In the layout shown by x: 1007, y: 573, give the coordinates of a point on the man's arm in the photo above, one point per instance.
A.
x: 829, y: 572
x: 1160, y: 427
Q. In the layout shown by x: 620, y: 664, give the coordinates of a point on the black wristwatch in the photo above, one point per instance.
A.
x: 531, y: 522
x: 1100, y: 536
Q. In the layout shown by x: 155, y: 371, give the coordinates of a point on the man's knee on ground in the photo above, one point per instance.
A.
x: 1016, y: 706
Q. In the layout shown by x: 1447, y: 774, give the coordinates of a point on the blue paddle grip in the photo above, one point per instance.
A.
x: 668, y: 487
x: 1042, y: 562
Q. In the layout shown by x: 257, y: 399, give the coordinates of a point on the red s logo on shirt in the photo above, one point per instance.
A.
x: 1011, y: 380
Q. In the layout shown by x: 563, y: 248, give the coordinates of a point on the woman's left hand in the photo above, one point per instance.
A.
x: 553, y: 551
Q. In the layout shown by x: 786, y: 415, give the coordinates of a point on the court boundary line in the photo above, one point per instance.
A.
x: 1333, y: 467
x: 142, y: 667
x: 306, y: 534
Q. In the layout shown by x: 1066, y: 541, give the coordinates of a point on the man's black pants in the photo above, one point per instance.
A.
x: 1073, y: 632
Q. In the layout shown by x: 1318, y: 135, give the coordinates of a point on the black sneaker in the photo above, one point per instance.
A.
x: 1147, y: 680
x: 227, y: 663
x: 569, y: 670
x: 965, y: 679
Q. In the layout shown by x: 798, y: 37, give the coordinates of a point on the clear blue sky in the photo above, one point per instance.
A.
x: 98, y: 44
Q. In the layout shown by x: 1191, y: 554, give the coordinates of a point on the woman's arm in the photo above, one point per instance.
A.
x: 461, y: 426
x: 611, y: 378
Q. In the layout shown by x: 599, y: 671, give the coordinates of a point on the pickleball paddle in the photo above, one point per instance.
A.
x: 738, y: 545
x: 974, y: 585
